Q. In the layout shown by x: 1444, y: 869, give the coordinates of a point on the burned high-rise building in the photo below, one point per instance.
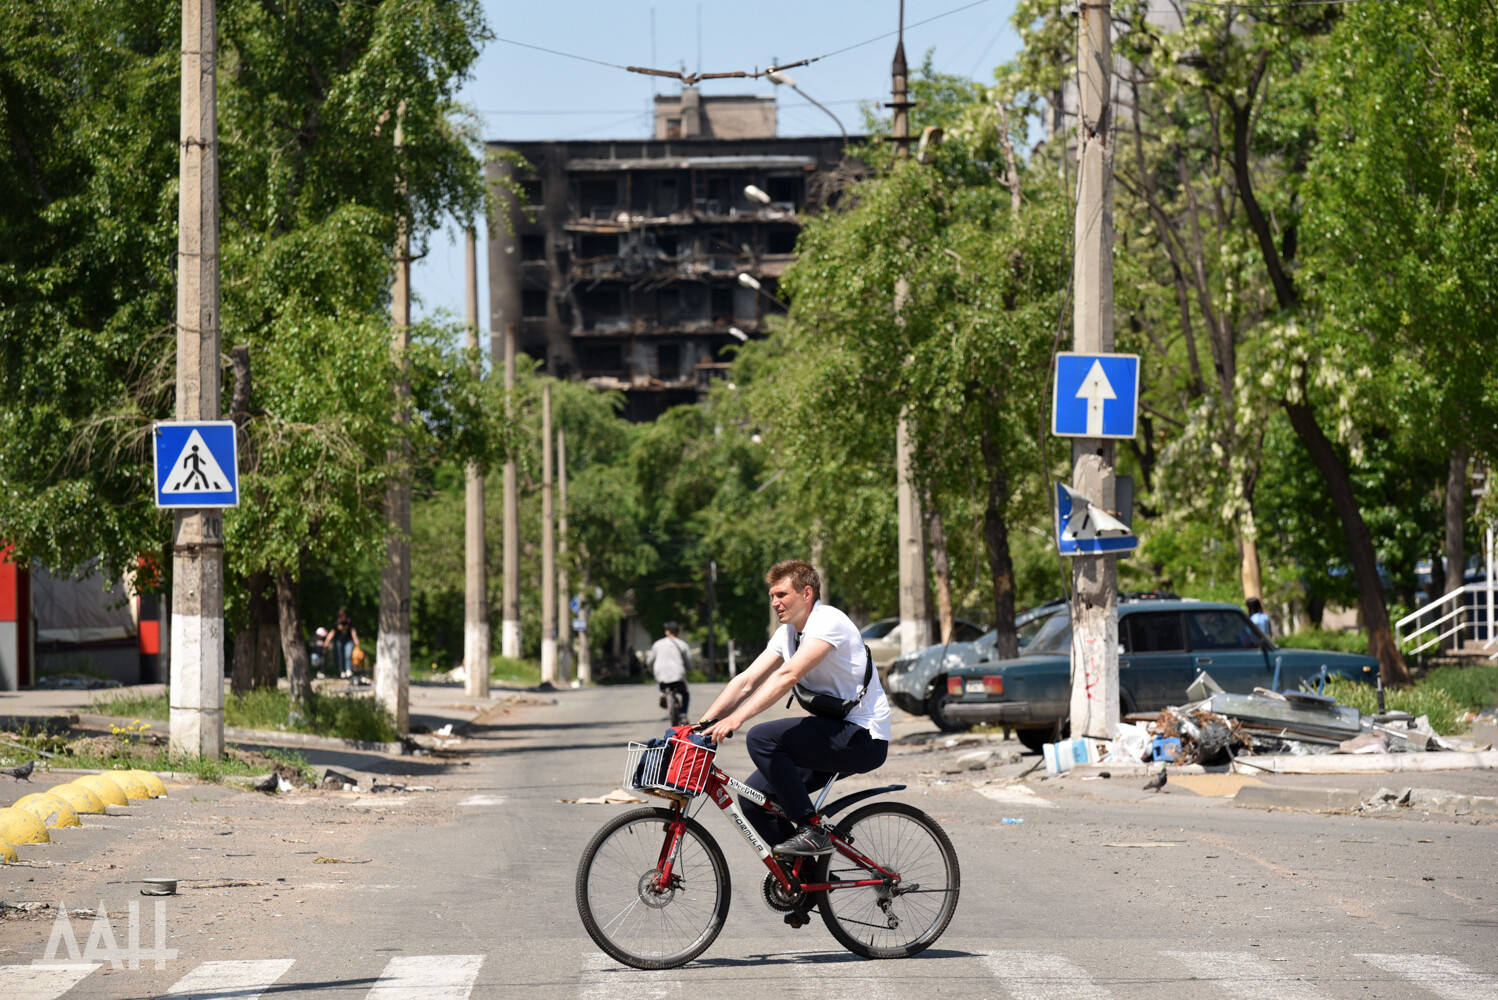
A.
x: 626, y: 271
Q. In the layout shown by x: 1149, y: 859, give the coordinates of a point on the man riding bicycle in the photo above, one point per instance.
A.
x: 817, y: 652
x: 669, y: 660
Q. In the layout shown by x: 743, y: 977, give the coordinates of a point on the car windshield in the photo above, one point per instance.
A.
x: 1027, y: 632
x: 1054, y: 636
x: 879, y: 629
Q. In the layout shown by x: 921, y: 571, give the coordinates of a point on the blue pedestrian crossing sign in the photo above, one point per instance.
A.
x: 197, y: 464
x: 1084, y: 529
x: 1097, y: 395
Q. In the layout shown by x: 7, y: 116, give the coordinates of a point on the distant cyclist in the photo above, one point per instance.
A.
x: 669, y: 660
x: 818, y: 652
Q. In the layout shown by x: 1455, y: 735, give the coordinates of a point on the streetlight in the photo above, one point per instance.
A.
x: 755, y: 194
x: 738, y: 334
x: 749, y: 281
x: 777, y: 77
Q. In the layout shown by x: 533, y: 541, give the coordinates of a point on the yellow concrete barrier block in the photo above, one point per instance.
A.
x: 131, y: 785
x: 19, y: 826
x: 109, y: 791
x: 8, y: 854
x: 154, y: 785
x: 83, y: 801
x: 50, y: 809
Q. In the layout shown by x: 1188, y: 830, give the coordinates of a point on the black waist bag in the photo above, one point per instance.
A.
x: 830, y: 706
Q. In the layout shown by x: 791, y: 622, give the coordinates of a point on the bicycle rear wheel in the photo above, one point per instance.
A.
x: 879, y: 922
x: 631, y: 921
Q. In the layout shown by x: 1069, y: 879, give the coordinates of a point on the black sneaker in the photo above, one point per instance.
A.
x: 808, y: 842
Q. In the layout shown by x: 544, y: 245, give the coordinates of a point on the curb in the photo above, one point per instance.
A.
x: 264, y: 737
x: 1368, y: 763
x: 1303, y: 799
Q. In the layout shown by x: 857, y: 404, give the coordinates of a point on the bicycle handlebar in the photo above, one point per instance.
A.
x: 705, y: 723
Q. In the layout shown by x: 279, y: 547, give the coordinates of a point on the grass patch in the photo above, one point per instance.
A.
x: 1474, y: 688
x: 349, y: 717
x: 1447, y: 715
x: 129, y: 748
x: 518, y: 673
x: 1315, y: 638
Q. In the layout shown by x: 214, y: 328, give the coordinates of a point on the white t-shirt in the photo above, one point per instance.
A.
x: 841, y: 671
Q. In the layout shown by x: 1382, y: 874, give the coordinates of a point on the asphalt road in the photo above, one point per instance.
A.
x: 468, y: 890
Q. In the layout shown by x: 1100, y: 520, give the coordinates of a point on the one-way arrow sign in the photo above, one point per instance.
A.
x: 1097, y: 395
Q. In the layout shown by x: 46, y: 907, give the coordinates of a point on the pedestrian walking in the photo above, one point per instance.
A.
x: 343, y: 640
x: 1258, y: 617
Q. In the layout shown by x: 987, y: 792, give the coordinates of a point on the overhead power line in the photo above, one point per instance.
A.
x: 692, y: 78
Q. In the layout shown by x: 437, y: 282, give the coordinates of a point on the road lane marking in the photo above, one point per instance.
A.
x: 1014, y: 795
x: 605, y: 979
x: 241, y: 980
x: 1245, y: 975
x: 837, y: 973
x: 428, y: 977
x: 1445, y: 977
x: 41, y: 982
x: 1029, y: 975
x: 483, y: 800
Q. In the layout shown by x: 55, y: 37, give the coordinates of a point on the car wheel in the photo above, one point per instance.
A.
x: 1034, y: 739
x: 936, y: 707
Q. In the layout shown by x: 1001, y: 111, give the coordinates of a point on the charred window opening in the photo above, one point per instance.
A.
x: 591, y: 246
x: 601, y: 306
x: 781, y: 241
x: 786, y: 190
x: 668, y: 362
x: 722, y: 304
x: 668, y: 305
x: 533, y: 247
x: 600, y: 359
x: 533, y: 303
x: 667, y: 243
x: 597, y: 198
x: 666, y: 196
x: 533, y: 192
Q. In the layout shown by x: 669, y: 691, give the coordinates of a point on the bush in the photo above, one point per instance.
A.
x: 1315, y: 638
x: 1474, y: 688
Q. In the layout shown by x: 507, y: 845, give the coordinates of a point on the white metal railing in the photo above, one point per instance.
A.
x: 1455, y: 620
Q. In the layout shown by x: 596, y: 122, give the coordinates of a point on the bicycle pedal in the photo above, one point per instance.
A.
x: 797, y: 919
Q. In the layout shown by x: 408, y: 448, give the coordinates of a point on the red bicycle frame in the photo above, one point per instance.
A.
x: 718, y: 785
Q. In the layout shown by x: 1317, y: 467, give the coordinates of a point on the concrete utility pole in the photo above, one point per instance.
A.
x: 510, y: 598
x: 915, y: 615
x: 548, y: 550
x: 1094, y: 698
x: 392, y: 680
x: 197, y: 620
x: 564, y: 588
x: 476, y: 591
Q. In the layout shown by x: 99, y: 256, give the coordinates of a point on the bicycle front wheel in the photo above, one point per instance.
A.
x: 898, y: 921
x: 623, y: 911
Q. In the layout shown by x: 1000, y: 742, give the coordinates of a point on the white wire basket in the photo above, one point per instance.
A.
x: 675, y: 766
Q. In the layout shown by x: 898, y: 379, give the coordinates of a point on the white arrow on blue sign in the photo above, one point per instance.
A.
x: 197, y: 464
x: 1083, y: 529
x: 1097, y: 395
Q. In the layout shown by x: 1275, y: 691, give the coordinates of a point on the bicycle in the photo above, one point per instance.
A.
x: 674, y: 706
x: 653, y: 887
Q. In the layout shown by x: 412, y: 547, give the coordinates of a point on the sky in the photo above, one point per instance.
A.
x: 522, y: 93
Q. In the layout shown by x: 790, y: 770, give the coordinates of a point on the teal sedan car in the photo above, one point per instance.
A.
x: 1163, y: 644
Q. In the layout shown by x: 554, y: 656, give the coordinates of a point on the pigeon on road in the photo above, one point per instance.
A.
x: 1156, y: 783
x: 22, y: 773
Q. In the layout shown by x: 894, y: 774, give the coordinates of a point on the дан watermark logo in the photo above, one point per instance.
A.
x: 102, y: 945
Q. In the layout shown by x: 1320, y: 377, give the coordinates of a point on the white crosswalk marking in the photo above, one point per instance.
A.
x: 839, y: 974
x: 605, y: 979
x: 239, y: 980
x: 41, y: 982
x: 1246, y: 975
x: 428, y: 977
x: 1029, y: 975
x: 1445, y: 977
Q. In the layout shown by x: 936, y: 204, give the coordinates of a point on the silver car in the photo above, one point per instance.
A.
x: 917, y: 681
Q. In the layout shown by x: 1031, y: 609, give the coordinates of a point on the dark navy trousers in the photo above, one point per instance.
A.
x: 796, y: 757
